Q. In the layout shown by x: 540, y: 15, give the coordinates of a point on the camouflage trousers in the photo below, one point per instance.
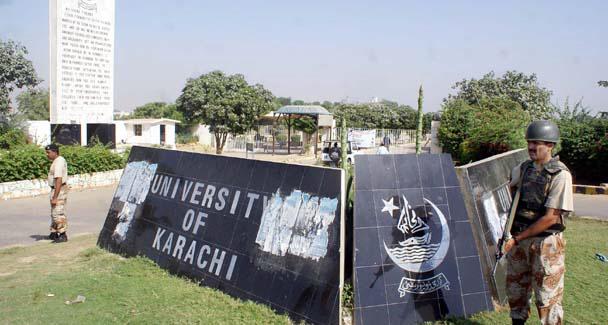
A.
x: 537, y: 264
x: 59, y: 222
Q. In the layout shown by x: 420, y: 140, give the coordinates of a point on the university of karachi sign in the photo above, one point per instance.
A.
x: 82, y: 69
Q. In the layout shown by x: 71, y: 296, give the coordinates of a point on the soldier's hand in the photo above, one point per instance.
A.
x: 509, y: 244
x: 53, y: 202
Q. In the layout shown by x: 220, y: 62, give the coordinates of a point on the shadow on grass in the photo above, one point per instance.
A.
x: 40, y: 237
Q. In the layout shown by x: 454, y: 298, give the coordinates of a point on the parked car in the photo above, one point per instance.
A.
x: 328, y: 149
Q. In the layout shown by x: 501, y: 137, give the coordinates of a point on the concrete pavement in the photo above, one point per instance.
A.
x: 25, y: 221
x: 593, y: 206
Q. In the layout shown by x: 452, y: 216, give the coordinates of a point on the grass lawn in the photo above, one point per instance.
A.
x: 119, y: 290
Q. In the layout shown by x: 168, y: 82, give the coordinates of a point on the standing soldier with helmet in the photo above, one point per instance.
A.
x: 57, y: 178
x: 535, y: 253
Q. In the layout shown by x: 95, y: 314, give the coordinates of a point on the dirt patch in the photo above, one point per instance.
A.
x: 27, y: 259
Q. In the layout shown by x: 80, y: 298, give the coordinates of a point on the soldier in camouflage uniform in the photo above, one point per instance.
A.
x: 57, y: 178
x: 536, y: 252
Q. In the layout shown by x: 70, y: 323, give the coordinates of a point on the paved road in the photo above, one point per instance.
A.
x: 25, y: 221
x: 595, y: 206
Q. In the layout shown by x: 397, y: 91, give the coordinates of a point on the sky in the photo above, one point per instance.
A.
x: 341, y: 50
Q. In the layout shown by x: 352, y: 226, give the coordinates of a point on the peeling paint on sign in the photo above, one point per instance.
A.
x: 132, y: 191
x: 135, y: 182
x: 296, y: 224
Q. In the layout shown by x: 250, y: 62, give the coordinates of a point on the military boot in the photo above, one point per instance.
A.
x: 53, y: 236
x: 62, y: 237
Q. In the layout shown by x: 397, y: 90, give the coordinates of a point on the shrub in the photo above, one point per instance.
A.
x: 295, y: 139
x: 584, y: 146
x: 187, y: 138
x: 23, y: 162
x: 456, y: 122
x: 497, y: 128
x: 30, y: 162
x: 475, y: 132
x: 12, y: 137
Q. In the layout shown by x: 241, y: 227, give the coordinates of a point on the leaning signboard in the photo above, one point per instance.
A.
x: 263, y: 231
x: 488, y: 199
x: 415, y: 255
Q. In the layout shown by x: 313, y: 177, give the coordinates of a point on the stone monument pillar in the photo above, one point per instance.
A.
x: 435, y: 145
x: 82, y: 70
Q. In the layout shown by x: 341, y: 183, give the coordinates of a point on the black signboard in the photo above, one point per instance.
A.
x: 67, y: 134
x: 102, y: 133
x: 488, y: 200
x: 257, y: 230
x: 415, y: 255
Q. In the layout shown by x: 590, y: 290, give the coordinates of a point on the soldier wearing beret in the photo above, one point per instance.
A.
x: 57, y: 179
x: 535, y: 253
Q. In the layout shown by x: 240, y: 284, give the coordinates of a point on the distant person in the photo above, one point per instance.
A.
x: 536, y: 251
x: 386, y: 141
x: 57, y: 179
x: 334, y: 154
x: 382, y: 150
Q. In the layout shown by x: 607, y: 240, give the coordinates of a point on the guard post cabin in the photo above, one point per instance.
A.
x: 319, y: 114
x: 148, y: 132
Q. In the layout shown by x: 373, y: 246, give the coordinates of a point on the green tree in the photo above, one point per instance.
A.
x: 420, y: 121
x: 227, y: 103
x: 378, y: 115
x: 34, y: 104
x: 158, y: 110
x: 583, y: 143
x: 499, y: 126
x: 515, y: 86
x: 306, y: 124
x: 16, y: 71
x: 473, y: 132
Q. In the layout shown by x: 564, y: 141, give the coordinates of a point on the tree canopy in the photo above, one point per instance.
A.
x: 473, y: 132
x: 16, y: 71
x: 383, y: 115
x: 515, y: 86
x: 227, y: 103
x: 34, y: 104
x: 158, y: 110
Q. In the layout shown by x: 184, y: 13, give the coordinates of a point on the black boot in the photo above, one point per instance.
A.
x: 518, y: 321
x: 53, y: 236
x: 62, y: 237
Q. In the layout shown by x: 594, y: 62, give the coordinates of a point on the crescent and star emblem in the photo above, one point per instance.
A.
x: 417, y: 253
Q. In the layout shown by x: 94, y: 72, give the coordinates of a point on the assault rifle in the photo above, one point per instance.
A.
x: 506, y: 235
x: 499, y: 272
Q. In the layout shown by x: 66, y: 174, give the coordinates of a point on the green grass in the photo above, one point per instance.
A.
x: 119, y: 290
x: 586, y: 282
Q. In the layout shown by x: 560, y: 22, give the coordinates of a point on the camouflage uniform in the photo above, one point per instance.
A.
x: 59, y: 168
x: 59, y: 222
x: 537, y: 263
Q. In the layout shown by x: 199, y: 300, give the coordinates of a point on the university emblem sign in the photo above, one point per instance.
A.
x: 415, y: 256
x: 419, y: 251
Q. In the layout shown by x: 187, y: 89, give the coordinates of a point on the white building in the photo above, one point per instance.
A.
x: 39, y: 132
x: 146, y: 132
x: 128, y: 132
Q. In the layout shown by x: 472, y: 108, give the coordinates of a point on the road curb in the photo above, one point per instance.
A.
x: 590, y: 190
x: 35, y: 187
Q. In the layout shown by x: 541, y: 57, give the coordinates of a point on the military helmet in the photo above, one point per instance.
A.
x: 542, y: 130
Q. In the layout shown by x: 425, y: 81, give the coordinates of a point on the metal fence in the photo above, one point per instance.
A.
x: 262, y: 138
x: 396, y: 136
